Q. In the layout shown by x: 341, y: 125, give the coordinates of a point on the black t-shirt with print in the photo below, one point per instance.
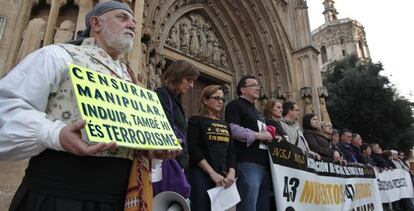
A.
x: 210, y: 139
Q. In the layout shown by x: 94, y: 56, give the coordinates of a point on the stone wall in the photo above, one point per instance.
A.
x: 10, y: 178
x: 9, y: 9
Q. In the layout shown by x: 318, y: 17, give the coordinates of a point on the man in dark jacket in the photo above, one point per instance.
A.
x: 345, y: 146
x: 356, y: 144
x: 377, y: 156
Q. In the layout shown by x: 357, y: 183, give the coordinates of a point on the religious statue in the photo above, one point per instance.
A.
x: 210, y: 43
x: 33, y: 37
x: 194, y: 45
x: 160, y: 66
x: 223, y: 59
x: 154, y: 71
x: 65, y: 32
x: 184, y: 37
x: 158, y: 72
x: 216, y: 53
x: 172, y: 38
x: 202, y: 40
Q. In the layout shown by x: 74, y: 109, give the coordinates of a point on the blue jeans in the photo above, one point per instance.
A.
x: 200, y: 182
x: 253, y: 184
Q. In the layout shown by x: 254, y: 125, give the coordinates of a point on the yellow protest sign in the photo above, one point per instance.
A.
x: 116, y: 110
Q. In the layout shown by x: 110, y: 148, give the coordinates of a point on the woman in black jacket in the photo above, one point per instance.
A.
x: 176, y: 80
x: 318, y: 142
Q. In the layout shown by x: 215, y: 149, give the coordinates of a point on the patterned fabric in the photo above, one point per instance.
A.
x: 139, y: 195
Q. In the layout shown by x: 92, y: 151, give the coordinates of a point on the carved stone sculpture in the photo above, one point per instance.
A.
x: 279, y: 93
x: 172, y: 38
x: 223, y: 59
x: 210, y: 44
x: 203, y: 41
x: 306, y: 94
x: 160, y: 66
x: 184, y: 37
x: 65, y: 32
x: 216, y: 54
x: 32, y: 37
x: 152, y: 71
x: 159, y: 69
x: 193, y: 34
x: 194, y: 45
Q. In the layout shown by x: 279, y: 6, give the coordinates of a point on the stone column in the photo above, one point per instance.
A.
x: 22, y: 20
x: 306, y: 94
x: 323, y: 94
x: 227, y: 92
x: 84, y: 7
x: 55, y: 6
x: 135, y: 58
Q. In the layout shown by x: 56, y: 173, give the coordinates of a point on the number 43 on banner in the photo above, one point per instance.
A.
x: 290, y: 188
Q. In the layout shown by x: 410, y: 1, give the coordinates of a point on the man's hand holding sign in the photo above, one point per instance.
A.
x: 117, y: 113
x: 71, y: 140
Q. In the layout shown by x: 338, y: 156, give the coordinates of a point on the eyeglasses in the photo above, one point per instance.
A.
x: 218, y: 98
x: 252, y: 85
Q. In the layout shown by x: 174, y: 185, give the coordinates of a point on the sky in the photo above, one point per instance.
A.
x: 389, y: 29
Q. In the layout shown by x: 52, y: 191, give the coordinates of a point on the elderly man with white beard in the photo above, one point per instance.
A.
x: 39, y: 119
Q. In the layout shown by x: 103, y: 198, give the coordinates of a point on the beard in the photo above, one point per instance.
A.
x: 120, y: 42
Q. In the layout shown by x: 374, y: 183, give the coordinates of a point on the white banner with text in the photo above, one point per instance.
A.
x: 301, y: 183
x: 394, y: 185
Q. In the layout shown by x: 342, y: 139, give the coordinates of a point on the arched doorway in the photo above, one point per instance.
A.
x: 225, y: 40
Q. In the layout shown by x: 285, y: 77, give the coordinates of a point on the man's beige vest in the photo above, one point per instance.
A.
x: 62, y: 105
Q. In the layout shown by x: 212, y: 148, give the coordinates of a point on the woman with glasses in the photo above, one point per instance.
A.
x: 212, y: 157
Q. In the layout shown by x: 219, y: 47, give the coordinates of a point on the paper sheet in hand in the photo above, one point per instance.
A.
x: 262, y: 128
x: 223, y: 198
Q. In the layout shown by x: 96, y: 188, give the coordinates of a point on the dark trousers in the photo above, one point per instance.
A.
x: 60, y: 181
x: 200, y: 182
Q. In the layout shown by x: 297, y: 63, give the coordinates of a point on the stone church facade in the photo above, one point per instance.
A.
x: 224, y: 39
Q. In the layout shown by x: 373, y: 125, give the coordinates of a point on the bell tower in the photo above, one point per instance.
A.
x: 330, y: 12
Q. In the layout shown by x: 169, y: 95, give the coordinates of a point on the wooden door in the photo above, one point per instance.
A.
x: 191, y: 99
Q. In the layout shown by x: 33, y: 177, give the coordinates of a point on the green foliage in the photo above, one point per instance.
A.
x: 364, y: 101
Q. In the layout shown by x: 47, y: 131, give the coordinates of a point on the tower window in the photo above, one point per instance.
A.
x: 324, y: 55
x: 361, y: 48
x: 343, y: 53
